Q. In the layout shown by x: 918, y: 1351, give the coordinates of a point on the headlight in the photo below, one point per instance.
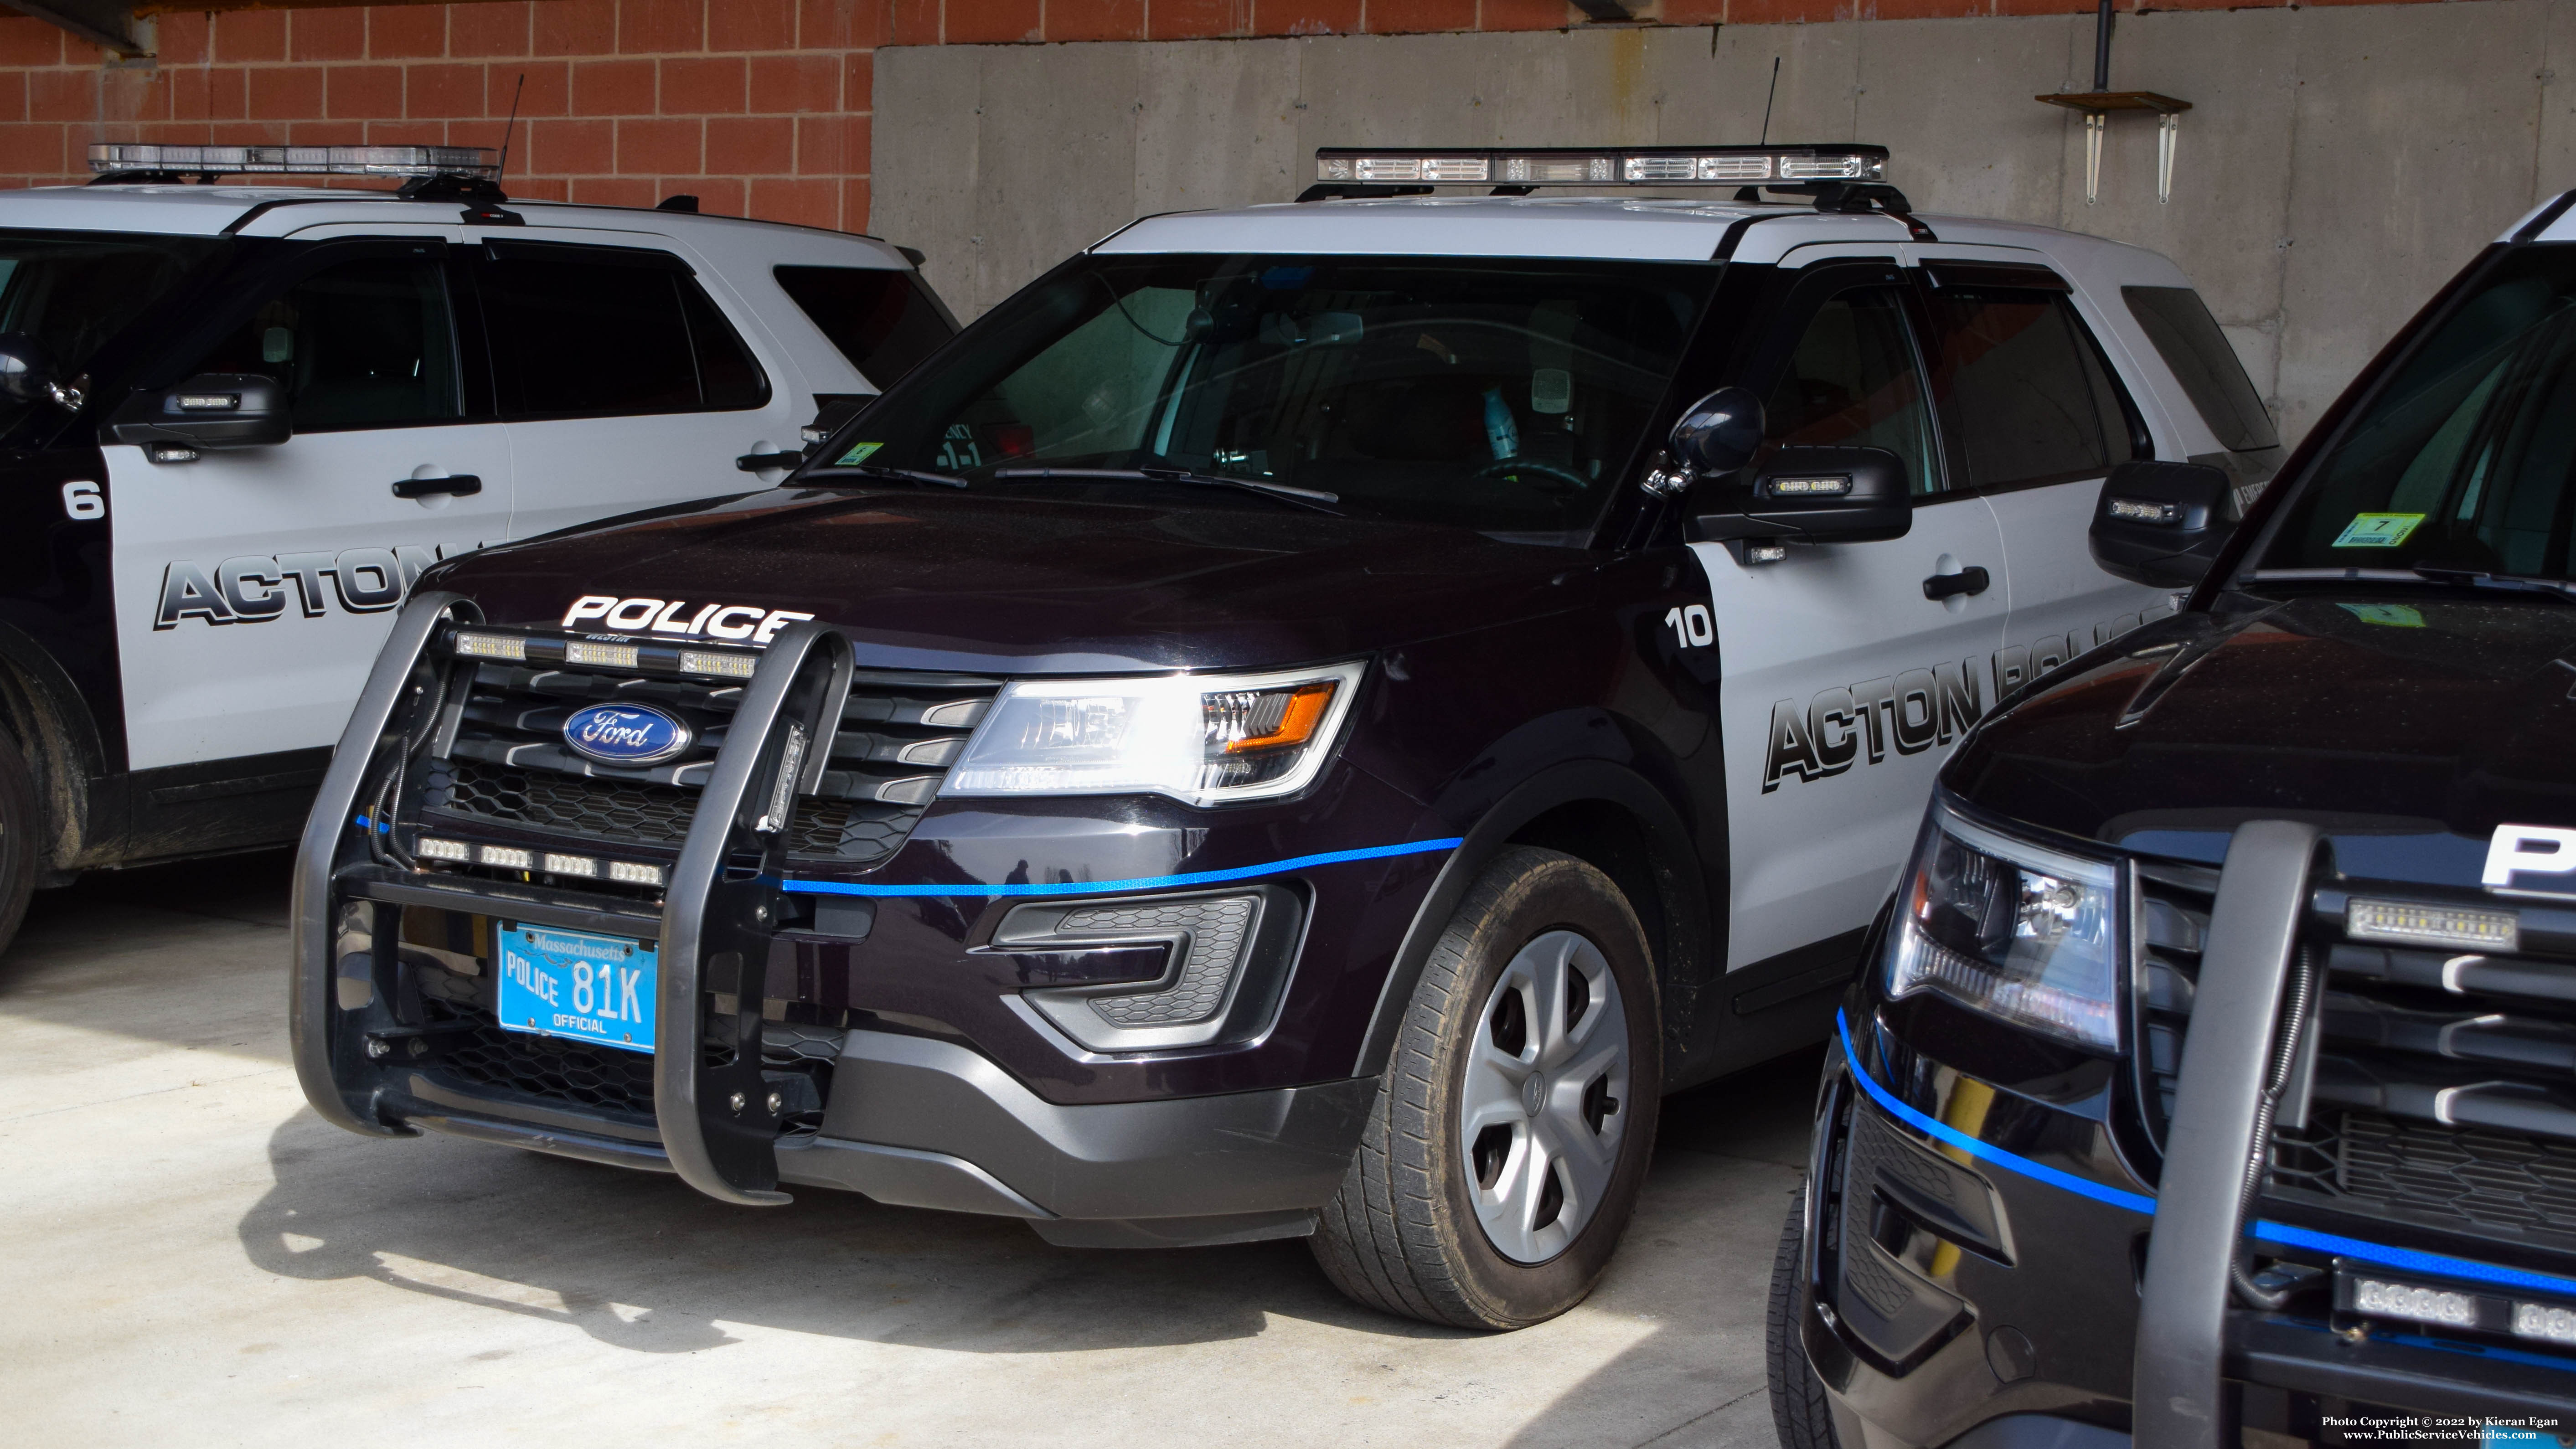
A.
x: 2014, y: 930
x: 1206, y: 739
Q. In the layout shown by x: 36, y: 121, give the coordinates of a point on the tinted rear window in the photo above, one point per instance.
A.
x: 591, y: 332
x: 885, y: 322
x: 2031, y: 398
x: 2188, y: 339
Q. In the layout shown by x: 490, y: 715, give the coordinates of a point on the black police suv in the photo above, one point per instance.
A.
x: 2211, y: 1078
x: 1236, y: 745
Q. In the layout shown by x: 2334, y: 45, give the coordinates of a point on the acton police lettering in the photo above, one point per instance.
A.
x: 1912, y: 711
x: 254, y: 589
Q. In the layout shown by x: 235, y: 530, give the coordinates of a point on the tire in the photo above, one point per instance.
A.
x: 21, y: 838
x: 1798, y: 1405
x: 1539, y: 942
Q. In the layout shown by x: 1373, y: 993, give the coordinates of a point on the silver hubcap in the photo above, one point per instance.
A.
x: 1545, y: 1099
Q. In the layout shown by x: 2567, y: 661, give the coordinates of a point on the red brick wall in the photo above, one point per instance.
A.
x: 759, y: 107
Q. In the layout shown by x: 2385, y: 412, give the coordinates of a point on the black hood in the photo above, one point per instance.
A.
x: 1025, y: 583
x: 2408, y: 725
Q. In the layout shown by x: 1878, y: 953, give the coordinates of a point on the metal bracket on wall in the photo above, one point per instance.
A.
x: 2097, y: 107
x: 110, y: 24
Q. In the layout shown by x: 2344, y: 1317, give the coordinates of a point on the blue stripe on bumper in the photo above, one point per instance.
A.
x: 1137, y: 883
x: 2411, y: 1259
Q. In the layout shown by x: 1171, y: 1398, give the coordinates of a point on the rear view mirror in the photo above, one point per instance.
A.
x: 210, y: 410
x: 1720, y: 433
x: 1811, y: 495
x: 2161, y: 524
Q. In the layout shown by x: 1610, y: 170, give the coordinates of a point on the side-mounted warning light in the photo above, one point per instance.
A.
x: 119, y: 156
x: 1583, y: 166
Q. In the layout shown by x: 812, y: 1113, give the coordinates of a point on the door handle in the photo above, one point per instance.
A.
x: 459, y: 484
x: 1970, y: 580
x: 754, y: 462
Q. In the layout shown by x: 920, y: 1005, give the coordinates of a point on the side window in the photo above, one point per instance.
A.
x: 2188, y: 339
x: 884, y: 322
x: 2024, y: 387
x: 1852, y: 381
x: 585, y: 335
x: 368, y: 343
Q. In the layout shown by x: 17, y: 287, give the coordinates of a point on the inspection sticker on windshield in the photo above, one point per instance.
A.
x: 2395, y: 616
x: 2377, y: 530
x: 566, y: 983
x: 858, y: 454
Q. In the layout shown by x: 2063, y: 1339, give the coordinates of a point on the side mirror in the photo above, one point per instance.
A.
x: 29, y: 373
x: 2161, y: 524
x: 1813, y: 495
x: 210, y: 410
x: 1720, y: 433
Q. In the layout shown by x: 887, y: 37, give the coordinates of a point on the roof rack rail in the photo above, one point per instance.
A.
x: 1356, y: 191
x: 1850, y: 198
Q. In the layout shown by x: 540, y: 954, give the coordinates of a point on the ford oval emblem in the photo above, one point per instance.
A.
x: 626, y: 734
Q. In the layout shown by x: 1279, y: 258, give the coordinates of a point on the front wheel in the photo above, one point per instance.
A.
x: 1509, y: 1138
x: 1798, y: 1408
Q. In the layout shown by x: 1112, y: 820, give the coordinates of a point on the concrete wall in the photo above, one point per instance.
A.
x: 2339, y: 164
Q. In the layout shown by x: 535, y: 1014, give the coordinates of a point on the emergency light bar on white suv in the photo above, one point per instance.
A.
x: 473, y: 161
x: 1623, y: 166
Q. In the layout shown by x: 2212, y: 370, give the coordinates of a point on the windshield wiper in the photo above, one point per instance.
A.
x: 1314, y: 498
x: 880, y: 470
x: 2435, y: 574
x: 2480, y: 578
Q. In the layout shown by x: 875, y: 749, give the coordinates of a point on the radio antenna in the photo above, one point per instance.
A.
x: 522, y: 87
x: 1766, y: 107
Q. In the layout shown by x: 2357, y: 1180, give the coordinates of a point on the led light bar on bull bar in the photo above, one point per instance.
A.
x: 479, y: 161
x: 1619, y: 166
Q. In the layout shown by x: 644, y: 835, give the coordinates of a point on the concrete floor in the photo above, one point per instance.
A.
x: 188, y: 1256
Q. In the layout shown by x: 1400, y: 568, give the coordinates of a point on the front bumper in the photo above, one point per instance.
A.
x: 888, y: 1034
x: 2034, y: 1345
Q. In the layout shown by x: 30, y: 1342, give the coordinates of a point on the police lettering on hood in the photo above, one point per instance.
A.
x: 674, y: 616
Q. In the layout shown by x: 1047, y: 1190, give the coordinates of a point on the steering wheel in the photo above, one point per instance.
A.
x: 1544, y: 469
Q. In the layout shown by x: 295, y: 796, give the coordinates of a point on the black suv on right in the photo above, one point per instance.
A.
x: 2212, y: 1076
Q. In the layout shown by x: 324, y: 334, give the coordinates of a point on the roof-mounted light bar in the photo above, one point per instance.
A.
x: 473, y: 161
x: 1621, y: 166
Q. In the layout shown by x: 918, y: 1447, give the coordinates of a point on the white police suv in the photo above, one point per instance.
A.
x: 1306, y: 719
x: 236, y: 422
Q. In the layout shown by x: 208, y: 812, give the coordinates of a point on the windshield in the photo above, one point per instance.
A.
x: 2466, y: 459
x: 1500, y: 395
x: 72, y: 291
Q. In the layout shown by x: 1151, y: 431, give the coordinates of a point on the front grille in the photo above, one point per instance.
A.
x: 2173, y: 924
x: 624, y: 811
x: 2442, y: 1091
x: 601, y: 1078
x: 503, y: 760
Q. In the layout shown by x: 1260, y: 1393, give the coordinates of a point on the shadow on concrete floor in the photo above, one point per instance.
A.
x: 642, y: 1262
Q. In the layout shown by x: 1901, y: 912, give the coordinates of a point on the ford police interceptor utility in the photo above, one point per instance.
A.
x: 1300, y: 721
x: 237, y: 422
x: 2256, y: 929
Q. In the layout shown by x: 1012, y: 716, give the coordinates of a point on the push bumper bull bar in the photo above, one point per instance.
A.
x: 712, y: 1107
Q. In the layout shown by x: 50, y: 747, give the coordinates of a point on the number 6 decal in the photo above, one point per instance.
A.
x: 1692, y: 626
x: 82, y: 501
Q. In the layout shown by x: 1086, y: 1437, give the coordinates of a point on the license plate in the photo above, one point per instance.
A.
x: 596, y: 989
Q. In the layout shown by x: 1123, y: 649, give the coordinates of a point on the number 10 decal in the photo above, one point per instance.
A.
x: 1692, y: 626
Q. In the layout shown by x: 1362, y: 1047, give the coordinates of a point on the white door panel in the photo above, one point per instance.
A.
x: 1844, y: 690
x: 255, y: 586
x: 2063, y: 603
